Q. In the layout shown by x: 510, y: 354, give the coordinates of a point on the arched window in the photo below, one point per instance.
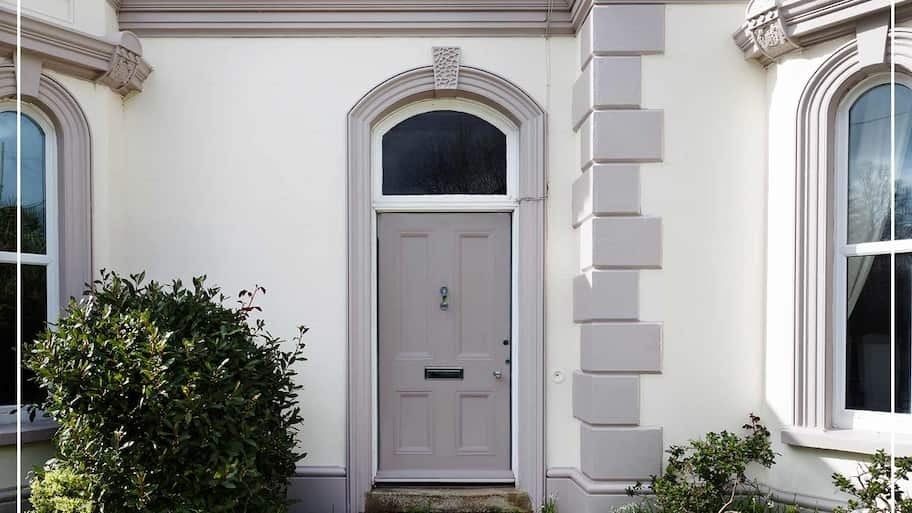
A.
x: 40, y: 288
x: 444, y: 151
x: 873, y: 246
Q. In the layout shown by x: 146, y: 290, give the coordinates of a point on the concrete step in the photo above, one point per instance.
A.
x: 447, y: 500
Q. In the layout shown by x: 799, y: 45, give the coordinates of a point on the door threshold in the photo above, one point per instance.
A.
x: 444, y: 482
x: 445, y: 476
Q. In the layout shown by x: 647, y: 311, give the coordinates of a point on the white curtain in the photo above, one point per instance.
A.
x: 869, y: 175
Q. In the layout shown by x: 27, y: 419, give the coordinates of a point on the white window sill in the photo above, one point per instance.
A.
x: 846, y: 440
x: 38, y: 431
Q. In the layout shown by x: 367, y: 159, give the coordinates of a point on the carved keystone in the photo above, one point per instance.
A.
x: 446, y: 67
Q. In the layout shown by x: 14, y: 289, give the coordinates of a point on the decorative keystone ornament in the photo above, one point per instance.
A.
x: 446, y: 67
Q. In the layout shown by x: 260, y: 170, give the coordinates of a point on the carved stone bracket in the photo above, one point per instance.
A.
x: 446, y: 67
x: 115, y: 61
x: 768, y: 32
x: 127, y: 70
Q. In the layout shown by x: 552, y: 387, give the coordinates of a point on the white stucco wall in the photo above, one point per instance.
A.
x: 235, y: 167
x: 710, y: 194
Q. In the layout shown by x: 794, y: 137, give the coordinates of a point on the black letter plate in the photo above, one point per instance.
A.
x: 444, y: 373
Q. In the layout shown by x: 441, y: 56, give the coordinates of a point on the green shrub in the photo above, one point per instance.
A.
x: 169, y: 401
x: 870, y: 489
x: 704, y: 476
x: 57, y: 489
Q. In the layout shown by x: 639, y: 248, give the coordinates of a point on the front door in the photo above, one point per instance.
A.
x: 444, y: 347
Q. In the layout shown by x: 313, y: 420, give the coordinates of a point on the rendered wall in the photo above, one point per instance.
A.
x: 236, y: 169
x: 709, y: 192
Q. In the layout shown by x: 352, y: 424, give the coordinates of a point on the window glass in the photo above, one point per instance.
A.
x: 444, y: 152
x: 33, y: 185
x: 34, y: 319
x: 867, y: 285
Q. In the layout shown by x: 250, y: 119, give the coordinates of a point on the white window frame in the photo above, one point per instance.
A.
x: 843, y: 418
x: 50, y: 260
x: 449, y: 203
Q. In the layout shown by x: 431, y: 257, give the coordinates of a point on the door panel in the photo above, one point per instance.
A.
x: 458, y: 425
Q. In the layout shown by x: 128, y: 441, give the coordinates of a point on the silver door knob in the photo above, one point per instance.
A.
x: 498, y: 374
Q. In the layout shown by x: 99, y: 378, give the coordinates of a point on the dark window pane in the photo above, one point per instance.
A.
x: 868, y: 332
x: 444, y: 152
x: 903, y: 331
x: 34, y: 319
x: 33, y: 185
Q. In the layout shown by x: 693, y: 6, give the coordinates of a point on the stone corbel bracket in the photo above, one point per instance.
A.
x: 768, y: 33
x: 115, y: 62
x: 127, y: 70
x: 773, y: 28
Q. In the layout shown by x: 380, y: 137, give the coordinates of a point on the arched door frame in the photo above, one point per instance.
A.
x: 509, y: 100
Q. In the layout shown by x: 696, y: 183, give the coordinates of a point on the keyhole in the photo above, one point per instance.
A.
x: 444, y: 292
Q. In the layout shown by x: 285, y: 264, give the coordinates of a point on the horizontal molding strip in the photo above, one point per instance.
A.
x: 345, y: 18
x: 360, y: 18
x: 801, y: 23
x: 115, y: 63
x: 594, y: 487
x: 589, y: 485
x: 319, y: 471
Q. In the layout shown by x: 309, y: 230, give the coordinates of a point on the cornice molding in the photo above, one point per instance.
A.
x: 115, y: 4
x: 773, y: 29
x: 117, y: 63
x: 282, y: 18
x: 341, y: 18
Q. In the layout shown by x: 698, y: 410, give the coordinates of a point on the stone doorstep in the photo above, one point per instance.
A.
x: 447, y: 500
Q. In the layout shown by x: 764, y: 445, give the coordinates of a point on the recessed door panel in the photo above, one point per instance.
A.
x: 443, y: 346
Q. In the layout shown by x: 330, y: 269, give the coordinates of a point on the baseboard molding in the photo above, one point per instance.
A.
x: 570, y: 496
x: 578, y: 493
x: 317, y: 489
x: 8, y: 500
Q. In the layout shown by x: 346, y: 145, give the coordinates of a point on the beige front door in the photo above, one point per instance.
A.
x: 444, y: 347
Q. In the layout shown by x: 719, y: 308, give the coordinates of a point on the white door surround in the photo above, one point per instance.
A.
x: 504, y: 100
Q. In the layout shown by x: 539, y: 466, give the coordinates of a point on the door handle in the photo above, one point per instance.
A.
x: 498, y: 374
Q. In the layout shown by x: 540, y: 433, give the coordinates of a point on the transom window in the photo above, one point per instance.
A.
x: 444, y: 152
x: 40, y: 288
x: 873, y: 246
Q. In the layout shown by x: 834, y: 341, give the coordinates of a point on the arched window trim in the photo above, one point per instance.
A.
x: 383, y: 202
x: 50, y: 259
x: 842, y: 417
x: 815, y: 158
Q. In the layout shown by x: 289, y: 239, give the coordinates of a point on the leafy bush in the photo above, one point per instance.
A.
x: 704, y: 476
x: 870, y: 489
x: 169, y: 401
x: 58, y: 489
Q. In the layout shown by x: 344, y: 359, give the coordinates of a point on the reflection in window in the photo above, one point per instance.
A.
x: 444, y: 152
x: 34, y: 248
x: 33, y: 185
x: 867, y: 285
